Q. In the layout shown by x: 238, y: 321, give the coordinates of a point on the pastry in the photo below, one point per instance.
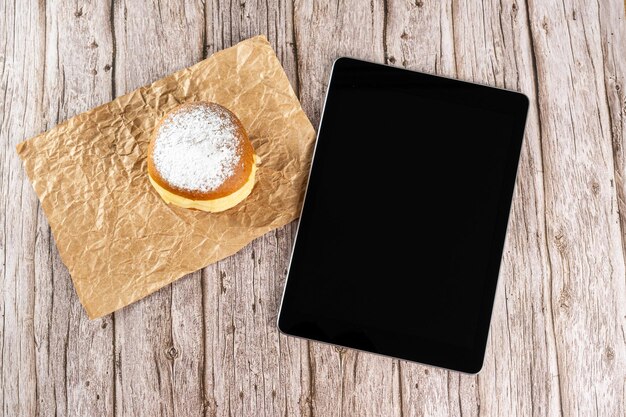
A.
x: 200, y: 157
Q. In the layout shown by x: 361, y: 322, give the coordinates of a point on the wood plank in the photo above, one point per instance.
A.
x: 344, y: 382
x: 420, y: 37
x: 498, y: 52
x: 250, y: 368
x: 158, y: 341
x: 21, y: 58
x: 611, y: 17
x: 583, y: 233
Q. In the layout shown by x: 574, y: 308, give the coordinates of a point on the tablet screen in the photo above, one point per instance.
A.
x: 403, y: 226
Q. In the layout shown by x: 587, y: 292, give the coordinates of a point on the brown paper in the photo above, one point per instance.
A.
x: 116, y: 236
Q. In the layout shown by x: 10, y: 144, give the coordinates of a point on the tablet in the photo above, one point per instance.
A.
x: 403, y: 225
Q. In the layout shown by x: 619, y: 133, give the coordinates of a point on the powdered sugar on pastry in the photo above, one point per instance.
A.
x: 196, y: 149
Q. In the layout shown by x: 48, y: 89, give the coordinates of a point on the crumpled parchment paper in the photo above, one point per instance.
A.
x: 116, y: 236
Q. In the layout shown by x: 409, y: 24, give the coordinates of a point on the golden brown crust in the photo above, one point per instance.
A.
x: 234, y: 182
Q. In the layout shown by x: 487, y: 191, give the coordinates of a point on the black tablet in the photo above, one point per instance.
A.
x: 404, y: 220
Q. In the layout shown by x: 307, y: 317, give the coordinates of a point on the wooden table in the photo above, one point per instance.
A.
x: 208, y: 344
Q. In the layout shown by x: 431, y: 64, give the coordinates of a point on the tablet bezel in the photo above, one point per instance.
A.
x: 439, y: 355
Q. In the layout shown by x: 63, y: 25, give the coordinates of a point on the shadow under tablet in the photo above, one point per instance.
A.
x: 401, y: 235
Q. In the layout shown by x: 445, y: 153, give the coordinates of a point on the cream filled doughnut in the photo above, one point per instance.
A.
x: 200, y: 157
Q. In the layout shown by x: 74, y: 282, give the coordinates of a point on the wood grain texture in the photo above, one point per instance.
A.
x: 19, y: 80
x: 208, y: 344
